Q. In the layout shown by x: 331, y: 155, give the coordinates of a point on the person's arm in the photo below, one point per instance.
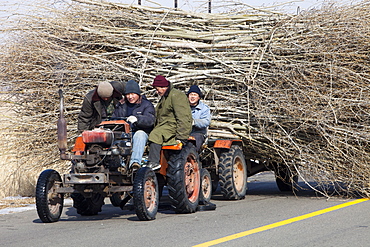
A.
x: 205, y: 118
x: 182, y: 114
x: 120, y: 111
x: 85, y: 115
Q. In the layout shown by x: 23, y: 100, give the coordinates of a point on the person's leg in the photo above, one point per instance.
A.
x: 199, y: 139
x: 154, y: 155
x: 138, y: 145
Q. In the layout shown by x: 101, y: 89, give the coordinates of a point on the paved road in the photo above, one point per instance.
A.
x: 263, y: 206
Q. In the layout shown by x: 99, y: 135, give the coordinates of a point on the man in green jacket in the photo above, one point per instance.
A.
x: 173, y: 119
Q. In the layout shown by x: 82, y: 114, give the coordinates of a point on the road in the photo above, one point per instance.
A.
x: 252, y: 218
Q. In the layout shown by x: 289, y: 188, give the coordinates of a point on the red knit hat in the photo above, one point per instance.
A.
x: 160, y: 81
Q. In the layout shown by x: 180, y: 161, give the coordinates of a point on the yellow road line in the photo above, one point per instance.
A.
x: 280, y: 223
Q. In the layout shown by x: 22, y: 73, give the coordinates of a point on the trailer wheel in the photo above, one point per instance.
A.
x: 205, y: 187
x: 233, y: 174
x: 183, y: 182
x: 49, y: 204
x: 285, y: 179
x: 215, y: 178
x: 146, y: 195
x: 88, y: 206
x: 117, y: 197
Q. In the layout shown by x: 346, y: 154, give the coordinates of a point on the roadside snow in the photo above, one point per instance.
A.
x: 18, y: 209
x: 25, y: 207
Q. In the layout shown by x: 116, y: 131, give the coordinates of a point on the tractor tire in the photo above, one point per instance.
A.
x: 48, y: 203
x: 117, y: 197
x: 285, y: 179
x: 233, y: 174
x: 205, y: 187
x: 88, y: 206
x: 183, y: 179
x: 146, y: 194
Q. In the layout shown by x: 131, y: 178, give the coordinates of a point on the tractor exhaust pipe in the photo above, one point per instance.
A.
x: 62, y: 127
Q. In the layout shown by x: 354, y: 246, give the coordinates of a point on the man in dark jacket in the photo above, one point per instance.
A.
x: 140, y: 114
x: 99, y: 104
x: 173, y: 119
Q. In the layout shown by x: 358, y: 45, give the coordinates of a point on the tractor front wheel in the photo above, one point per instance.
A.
x: 146, y: 195
x: 49, y: 204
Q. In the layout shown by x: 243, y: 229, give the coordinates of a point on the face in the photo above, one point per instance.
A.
x: 193, y: 98
x: 161, y: 90
x: 132, y: 98
x: 106, y: 98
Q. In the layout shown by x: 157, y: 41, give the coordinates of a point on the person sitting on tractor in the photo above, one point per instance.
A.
x: 99, y: 104
x: 201, y: 115
x: 140, y: 114
x: 173, y: 120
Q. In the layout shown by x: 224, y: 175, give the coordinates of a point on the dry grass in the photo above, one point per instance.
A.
x: 16, y: 202
x: 296, y: 89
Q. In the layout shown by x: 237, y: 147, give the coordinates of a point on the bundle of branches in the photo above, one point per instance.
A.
x: 294, y: 89
x: 313, y: 105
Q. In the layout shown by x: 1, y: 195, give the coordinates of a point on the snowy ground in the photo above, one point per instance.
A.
x: 17, y: 204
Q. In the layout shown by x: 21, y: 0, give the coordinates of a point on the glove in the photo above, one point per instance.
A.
x: 132, y: 119
x: 184, y: 142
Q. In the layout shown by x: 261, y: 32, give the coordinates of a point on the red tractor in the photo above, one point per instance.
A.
x: 99, y: 168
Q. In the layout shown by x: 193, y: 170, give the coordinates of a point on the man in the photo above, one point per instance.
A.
x: 99, y: 104
x: 173, y: 119
x: 201, y: 115
x: 140, y: 114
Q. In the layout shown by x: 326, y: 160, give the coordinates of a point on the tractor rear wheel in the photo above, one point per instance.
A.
x: 183, y: 179
x: 233, y: 174
x: 49, y: 204
x: 146, y: 194
x: 88, y: 206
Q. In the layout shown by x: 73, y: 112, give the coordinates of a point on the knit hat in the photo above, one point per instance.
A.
x: 132, y: 87
x: 105, y: 89
x: 195, y: 89
x: 160, y: 81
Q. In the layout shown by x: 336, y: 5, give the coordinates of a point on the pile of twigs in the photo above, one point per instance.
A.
x: 295, y: 89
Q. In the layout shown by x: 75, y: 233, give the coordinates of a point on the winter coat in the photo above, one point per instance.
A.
x: 173, y: 118
x: 201, y: 118
x: 91, y: 110
x: 144, y: 111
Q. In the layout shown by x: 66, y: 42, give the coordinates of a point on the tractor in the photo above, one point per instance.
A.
x: 99, y: 169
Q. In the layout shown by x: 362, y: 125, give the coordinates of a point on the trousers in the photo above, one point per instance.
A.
x: 138, y: 145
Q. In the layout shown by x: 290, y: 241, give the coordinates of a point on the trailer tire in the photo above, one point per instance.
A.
x: 49, y: 204
x: 146, y: 194
x: 183, y: 179
x: 233, y: 174
x: 286, y: 181
x: 215, y: 178
x: 205, y: 187
x: 88, y: 206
